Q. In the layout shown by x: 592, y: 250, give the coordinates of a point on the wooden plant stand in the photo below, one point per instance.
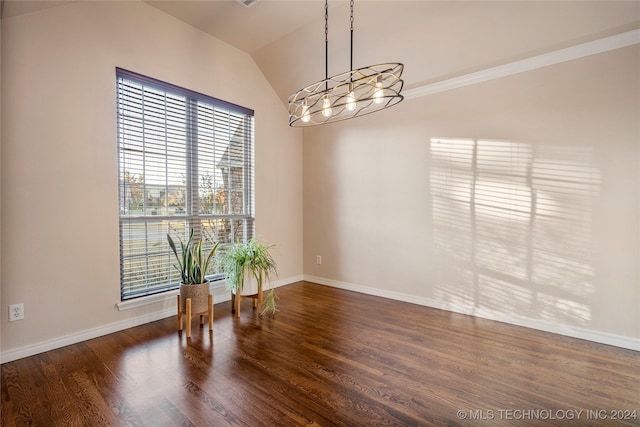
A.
x: 237, y: 299
x: 188, y: 314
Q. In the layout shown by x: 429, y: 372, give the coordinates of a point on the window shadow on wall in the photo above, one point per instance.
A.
x: 513, y: 228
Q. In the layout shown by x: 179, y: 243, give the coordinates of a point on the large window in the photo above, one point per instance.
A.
x: 185, y: 162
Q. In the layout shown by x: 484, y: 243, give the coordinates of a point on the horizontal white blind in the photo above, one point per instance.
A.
x: 185, y: 162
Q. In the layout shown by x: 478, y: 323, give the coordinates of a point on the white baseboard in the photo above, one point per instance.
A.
x: 571, y: 331
x: 41, y: 347
x: 52, y: 344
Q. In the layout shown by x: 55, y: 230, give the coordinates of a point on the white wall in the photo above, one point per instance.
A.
x: 59, y: 165
x: 570, y: 133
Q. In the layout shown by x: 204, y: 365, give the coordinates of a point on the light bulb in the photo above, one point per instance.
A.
x: 326, y: 107
x: 351, y: 99
x: 305, y: 113
x: 378, y: 95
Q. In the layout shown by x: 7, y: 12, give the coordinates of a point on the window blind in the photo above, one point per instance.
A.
x: 185, y: 162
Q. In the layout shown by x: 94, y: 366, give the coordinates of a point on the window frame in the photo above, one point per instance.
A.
x: 195, y: 105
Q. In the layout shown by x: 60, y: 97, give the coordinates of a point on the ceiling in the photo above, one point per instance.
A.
x: 435, y: 40
x: 11, y: 8
x: 247, y: 28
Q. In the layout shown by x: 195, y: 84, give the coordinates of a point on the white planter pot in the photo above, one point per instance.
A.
x: 250, y: 286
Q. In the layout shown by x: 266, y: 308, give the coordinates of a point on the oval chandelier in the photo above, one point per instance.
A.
x: 347, y: 95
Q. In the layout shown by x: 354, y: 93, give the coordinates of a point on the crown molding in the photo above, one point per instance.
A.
x: 605, y: 44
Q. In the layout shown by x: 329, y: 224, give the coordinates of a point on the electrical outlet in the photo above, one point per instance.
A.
x: 318, y: 259
x: 16, y: 312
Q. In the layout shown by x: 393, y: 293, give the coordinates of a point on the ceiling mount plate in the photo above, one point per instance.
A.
x: 247, y: 3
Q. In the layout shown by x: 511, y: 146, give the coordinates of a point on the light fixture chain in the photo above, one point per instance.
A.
x: 351, y: 54
x: 351, y: 15
x: 326, y: 43
x: 326, y: 20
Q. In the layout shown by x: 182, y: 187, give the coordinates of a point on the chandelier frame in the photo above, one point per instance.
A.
x: 347, y: 95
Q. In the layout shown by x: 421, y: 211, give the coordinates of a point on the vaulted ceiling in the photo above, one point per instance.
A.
x: 436, y: 40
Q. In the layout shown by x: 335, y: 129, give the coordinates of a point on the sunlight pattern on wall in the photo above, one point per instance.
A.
x: 513, y: 228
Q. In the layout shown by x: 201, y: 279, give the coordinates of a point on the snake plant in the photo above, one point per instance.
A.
x: 192, y: 262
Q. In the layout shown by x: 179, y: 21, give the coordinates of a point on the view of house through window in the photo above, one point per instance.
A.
x: 185, y: 162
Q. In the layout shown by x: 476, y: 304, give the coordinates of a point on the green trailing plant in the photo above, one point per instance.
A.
x: 270, y: 303
x: 252, y: 258
x: 192, y: 261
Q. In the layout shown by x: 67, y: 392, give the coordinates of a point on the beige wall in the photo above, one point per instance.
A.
x: 568, y: 133
x: 59, y: 164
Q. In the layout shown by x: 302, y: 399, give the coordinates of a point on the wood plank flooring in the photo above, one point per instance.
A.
x: 329, y: 358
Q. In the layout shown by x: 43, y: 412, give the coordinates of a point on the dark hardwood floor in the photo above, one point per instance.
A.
x: 331, y: 358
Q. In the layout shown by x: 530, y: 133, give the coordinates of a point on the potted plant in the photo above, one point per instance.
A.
x: 192, y: 265
x: 248, y: 266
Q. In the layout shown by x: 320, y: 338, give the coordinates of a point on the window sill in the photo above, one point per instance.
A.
x: 162, y: 297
